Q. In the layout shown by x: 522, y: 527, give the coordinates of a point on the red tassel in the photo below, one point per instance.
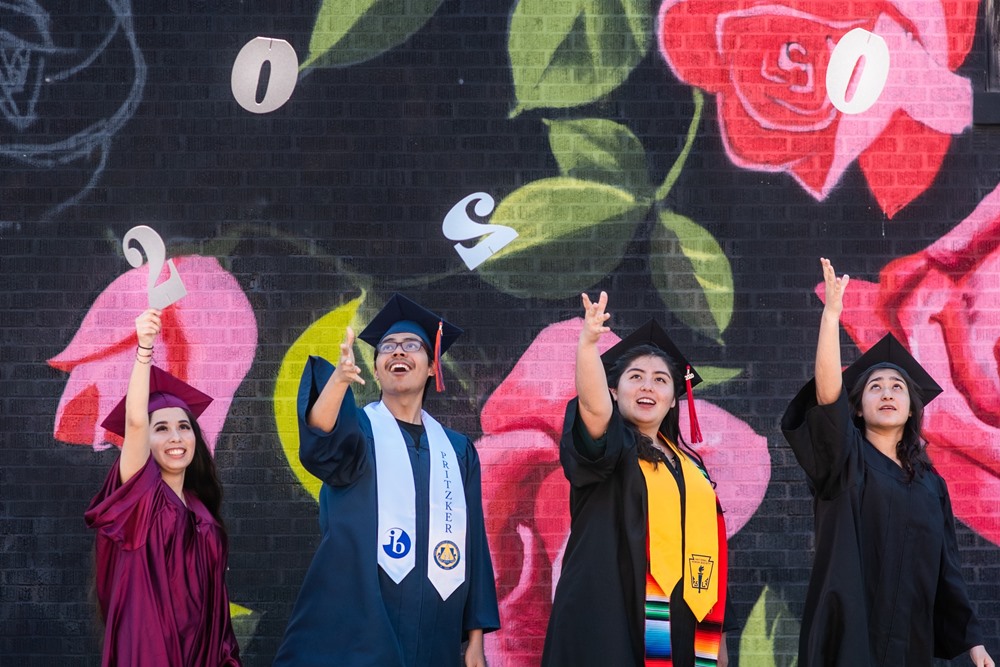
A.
x: 438, y: 376
x: 693, y: 416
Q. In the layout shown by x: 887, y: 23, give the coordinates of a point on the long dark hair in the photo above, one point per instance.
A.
x: 201, y: 476
x: 670, y: 426
x: 911, y: 449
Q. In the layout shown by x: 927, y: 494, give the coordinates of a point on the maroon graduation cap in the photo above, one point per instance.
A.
x: 165, y: 391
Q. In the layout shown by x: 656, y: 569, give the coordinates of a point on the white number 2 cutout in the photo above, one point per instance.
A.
x: 170, y: 290
x: 459, y: 226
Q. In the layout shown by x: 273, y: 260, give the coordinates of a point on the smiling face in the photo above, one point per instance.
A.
x: 171, y: 439
x: 645, y: 393
x: 402, y: 372
x: 885, y: 400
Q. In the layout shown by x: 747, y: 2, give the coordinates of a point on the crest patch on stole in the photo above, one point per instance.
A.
x: 446, y: 555
x: 701, y: 571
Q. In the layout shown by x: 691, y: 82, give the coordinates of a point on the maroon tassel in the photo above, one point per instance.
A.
x: 693, y: 416
x: 438, y: 375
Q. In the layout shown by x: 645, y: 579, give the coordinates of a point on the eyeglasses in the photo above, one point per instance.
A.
x: 408, y: 345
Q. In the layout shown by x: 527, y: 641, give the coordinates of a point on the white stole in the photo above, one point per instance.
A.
x: 397, y: 514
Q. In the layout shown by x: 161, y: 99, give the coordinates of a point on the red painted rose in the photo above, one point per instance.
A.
x: 526, y: 495
x: 766, y: 62
x: 944, y: 304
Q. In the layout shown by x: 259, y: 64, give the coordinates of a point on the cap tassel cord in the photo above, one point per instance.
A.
x: 438, y: 376
x: 693, y: 416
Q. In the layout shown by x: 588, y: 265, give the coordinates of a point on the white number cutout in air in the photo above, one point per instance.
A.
x: 170, y: 290
x: 852, y: 47
x: 247, y: 70
x: 459, y: 226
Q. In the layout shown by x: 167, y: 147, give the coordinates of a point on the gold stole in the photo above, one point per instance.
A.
x: 700, y: 539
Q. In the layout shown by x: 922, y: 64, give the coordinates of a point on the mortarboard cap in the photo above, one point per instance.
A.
x: 651, y: 333
x: 401, y: 315
x: 890, y: 352
x: 165, y: 391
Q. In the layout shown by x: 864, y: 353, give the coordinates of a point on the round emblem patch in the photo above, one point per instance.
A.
x: 447, y: 555
x: 397, y: 543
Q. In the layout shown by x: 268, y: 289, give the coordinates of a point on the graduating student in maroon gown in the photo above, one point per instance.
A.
x: 886, y: 586
x: 161, y: 547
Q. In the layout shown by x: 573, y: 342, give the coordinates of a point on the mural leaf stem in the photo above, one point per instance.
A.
x: 675, y: 170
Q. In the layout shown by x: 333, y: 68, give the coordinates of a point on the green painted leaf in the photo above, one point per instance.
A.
x: 244, y: 623
x: 713, y: 375
x: 352, y: 31
x: 571, y: 234
x: 565, y: 53
x: 771, y: 634
x: 692, y: 274
x: 595, y: 149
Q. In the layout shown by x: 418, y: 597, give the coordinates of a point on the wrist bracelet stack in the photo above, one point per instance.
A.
x: 139, y: 356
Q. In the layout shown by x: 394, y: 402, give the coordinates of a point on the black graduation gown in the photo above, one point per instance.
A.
x: 886, y: 585
x: 598, y: 613
x: 349, y: 613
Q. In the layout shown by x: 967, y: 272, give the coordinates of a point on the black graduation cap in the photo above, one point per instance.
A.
x: 889, y: 351
x: 401, y: 315
x: 651, y: 333
x: 165, y: 391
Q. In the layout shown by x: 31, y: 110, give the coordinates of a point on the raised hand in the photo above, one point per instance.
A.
x: 347, y: 371
x: 594, y: 318
x: 147, y: 327
x: 835, y: 287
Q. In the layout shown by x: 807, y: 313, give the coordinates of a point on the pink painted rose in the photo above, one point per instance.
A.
x: 209, y: 339
x: 526, y: 495
x: 766, y: 63
x: 944, y: 304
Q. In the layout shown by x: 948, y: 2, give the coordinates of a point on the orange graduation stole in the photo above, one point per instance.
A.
x: 698, y: 547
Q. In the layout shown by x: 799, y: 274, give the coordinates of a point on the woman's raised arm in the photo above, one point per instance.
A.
x: 829, y: 380
x: 591, y: 380
x: 135, y: 450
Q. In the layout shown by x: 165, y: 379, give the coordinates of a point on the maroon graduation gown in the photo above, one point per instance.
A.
x: 160, y: 570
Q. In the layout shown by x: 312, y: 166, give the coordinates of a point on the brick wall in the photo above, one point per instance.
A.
x: 625, y: 177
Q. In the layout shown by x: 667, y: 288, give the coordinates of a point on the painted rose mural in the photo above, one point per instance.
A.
x: 942, y: 303
x: 525, y: 493
x: 659, y: 150
x: 209, y: 339
x: 766, y: 63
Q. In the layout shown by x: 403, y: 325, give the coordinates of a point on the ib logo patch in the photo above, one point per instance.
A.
x: 397, y: 543
x: 447, y: 555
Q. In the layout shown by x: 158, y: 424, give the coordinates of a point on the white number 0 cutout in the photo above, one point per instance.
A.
x: 856, y: 45
x: 459, y: 226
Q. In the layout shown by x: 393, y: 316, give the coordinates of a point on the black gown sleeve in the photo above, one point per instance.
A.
x: 340, y: 456
x: 823, y: 438
x: 587, y: 461
x: 956, y: 628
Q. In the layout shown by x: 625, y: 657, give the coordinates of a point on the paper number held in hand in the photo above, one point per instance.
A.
x: 170, y: 290
x: 459, y: 226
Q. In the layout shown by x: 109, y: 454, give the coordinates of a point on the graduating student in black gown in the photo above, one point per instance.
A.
x: 886, y: 585
x: 351, y: 612
x: 631, y: 477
